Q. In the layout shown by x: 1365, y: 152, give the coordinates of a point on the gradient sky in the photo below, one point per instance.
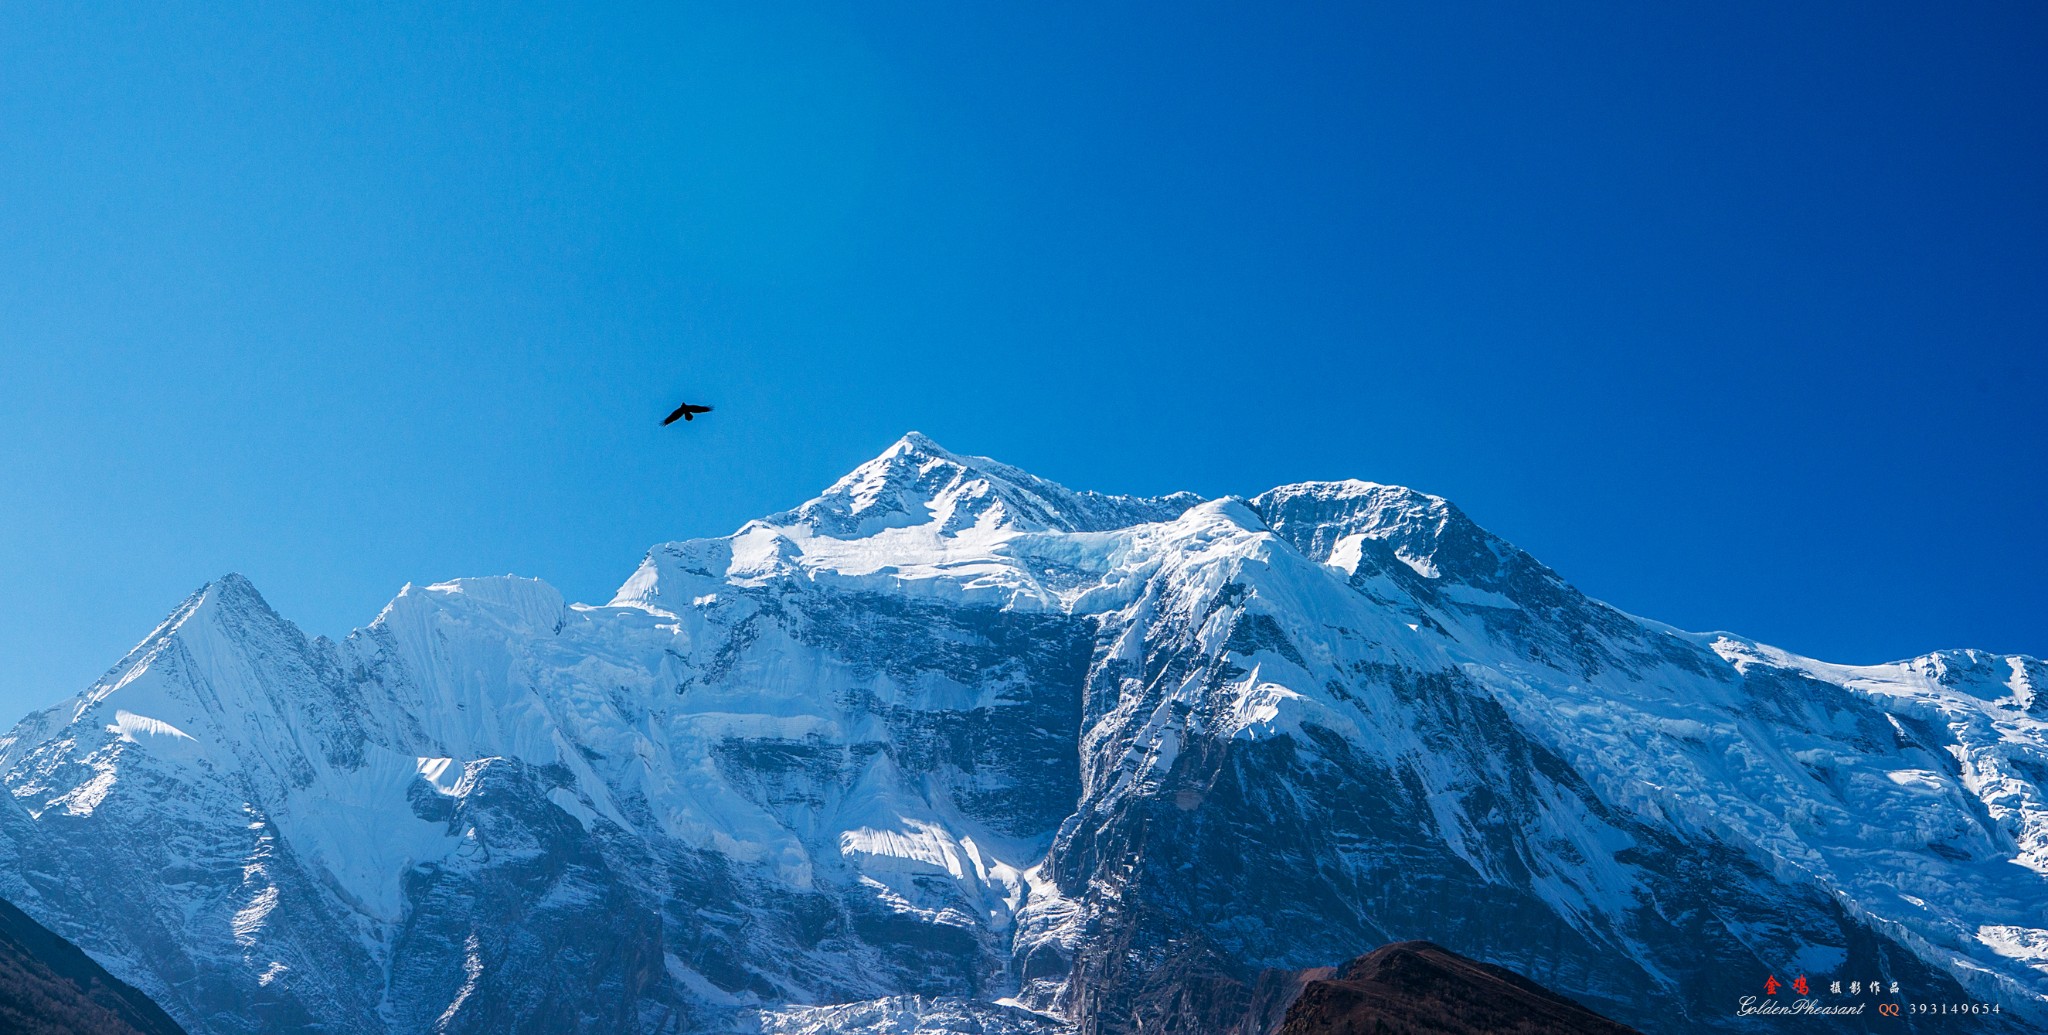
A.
x: 1734, y: 314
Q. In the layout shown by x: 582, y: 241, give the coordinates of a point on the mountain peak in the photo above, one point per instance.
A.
x: 233, y: 602
x: 1359, y: 526
x: 1319, y: 518
x: 523, y: 603
x: 917, y: 441
x: 233, y: 588
x: 231, y: 593
x: 916, y: 481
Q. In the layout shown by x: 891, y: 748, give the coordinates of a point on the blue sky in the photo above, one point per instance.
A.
x: 1733, y: 314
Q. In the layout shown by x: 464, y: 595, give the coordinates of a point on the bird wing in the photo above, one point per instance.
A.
x: 673, y: 417
x: 697, y: 409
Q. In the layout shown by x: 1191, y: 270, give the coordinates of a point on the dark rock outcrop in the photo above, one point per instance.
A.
x: 1412, y: 988
x: 48, y: 987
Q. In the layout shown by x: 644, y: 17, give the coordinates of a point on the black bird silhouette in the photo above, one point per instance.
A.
x: 686, y: 412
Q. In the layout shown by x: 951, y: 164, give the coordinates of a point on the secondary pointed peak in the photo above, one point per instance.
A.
x: 232, y: 591
x: 232, y: 602
x: 233, y: 586
x: 230, y: 599
x: 225, y: 618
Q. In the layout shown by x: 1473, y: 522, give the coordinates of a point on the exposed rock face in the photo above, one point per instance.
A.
x: 1415, y: 988
x: 955, y: 737
x: 48, y: 987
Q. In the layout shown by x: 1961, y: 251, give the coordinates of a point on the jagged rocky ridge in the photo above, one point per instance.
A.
x: 953, y: 748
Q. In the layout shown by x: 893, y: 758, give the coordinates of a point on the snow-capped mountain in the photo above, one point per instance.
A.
x: 954, y: 748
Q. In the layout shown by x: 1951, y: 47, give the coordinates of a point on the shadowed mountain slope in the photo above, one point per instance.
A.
x: 1416, y: 988
x: 48, y: 987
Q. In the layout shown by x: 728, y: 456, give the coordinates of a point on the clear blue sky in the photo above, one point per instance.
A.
x: 1734, y: 314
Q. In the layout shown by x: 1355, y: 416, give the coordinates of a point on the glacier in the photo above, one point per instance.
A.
x: 953, y: 748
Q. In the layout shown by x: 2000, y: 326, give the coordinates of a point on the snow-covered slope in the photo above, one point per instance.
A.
x: 953, y: 748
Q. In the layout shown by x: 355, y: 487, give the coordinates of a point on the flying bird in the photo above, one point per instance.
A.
x: 686, y: 412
